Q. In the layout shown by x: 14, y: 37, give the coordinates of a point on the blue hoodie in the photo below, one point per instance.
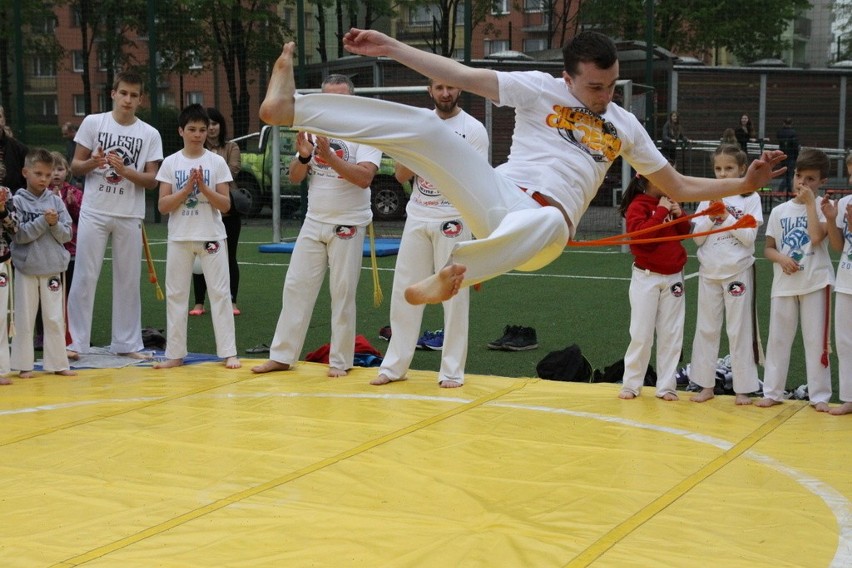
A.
x: 37, y: 248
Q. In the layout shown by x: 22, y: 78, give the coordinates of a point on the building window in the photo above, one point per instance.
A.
x: 195, y: 97
x: 77, y: 61
x: 43, y: 66
x: 500, y: 7
x: 195, y: 60
x: 424, y: 15
x: 75, y: 17
x: 533, y: 5
x: 496, y: 45
x: 79, y: 105
x: 534, y: 45
x: 104, y: 103
x: 49, y: 106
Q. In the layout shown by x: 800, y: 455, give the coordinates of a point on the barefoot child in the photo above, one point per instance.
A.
x: 657, y: 300
x: 40, y: 259
x: 839, y: 218
x: 726, y: 286
x: 8, y: 226
x: 194, y: 190
x: 801, y: 284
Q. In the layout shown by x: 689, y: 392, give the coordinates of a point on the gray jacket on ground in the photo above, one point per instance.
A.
x: 37, y: 248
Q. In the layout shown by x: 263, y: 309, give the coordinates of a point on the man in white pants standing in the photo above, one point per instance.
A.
x: 119, y: 155
x: 432, y: 228
x: 331, y: 238
x: 567, y: 135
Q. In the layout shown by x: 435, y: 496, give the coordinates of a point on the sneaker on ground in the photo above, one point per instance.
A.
x: 508, y: 332
x: 432, y: 340
x: 385, y: 333
x: 523, y: 340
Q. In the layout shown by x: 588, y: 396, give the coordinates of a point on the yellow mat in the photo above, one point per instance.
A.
x: 204, y: 467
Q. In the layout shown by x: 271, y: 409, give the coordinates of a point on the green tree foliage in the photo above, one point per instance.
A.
x: 448, y: 17
x: 750, y: 30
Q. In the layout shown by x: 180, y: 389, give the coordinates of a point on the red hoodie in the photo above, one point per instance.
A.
x: 668, y: 257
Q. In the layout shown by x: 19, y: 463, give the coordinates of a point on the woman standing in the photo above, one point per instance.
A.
x: 217, y: 136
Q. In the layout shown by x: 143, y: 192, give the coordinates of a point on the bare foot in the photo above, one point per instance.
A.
x: 626, y: 395
x: 450, y: 384
x: 670, y: 396
x: 766, y: 402
x: 334, y: 373
x: 383, y: 379
x: 5, y: 381
x: 65, y: 373
x: 438, y: 287
x: 140, y: 355
x: 72, y: 355
x: 279, y: 105
x: 233, y: 363
x: 26, y: 374
x: 845, y: 408
x: 168, y: 364
x: 742, y: 400
x: 270, y: 366
x: 703, y: 395
x: 822, y: 407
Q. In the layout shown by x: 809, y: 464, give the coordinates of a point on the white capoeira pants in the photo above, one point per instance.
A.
x: 94, y: 229
x: 180, y: 256
x: 657, y: 303
x: 729, y: 299
x: 843, y: 338
x: 424, y: 249
x: 784, y: 315
x: 5, y: 308
x: 320, y: 246
x: 51, y: 292
x: 513, y: 231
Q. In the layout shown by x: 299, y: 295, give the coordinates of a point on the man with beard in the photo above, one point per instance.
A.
x: 432, y: 228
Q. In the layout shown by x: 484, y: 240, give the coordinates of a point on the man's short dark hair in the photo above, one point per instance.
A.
x: 193, y: 113
x: 589, y: 47
x: 337, y: 79
x: 129, y: 78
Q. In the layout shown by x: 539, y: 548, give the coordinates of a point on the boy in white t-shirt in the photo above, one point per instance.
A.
x: 839, y: 218
x: 801, y: 284
x: 194, y: 191
x: 567, y: 135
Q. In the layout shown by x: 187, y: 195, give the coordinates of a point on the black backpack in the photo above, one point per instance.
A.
x: 615, y: 374
x: 565, y: 365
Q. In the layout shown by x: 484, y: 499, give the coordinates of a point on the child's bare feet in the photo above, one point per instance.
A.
x: 168, y: 364
x: 742, y: 400
x: 26, y: 374
x: 334, y: 373
x: 383, y: 379
x: 5, y: 380
x: 845, y: 408
x: 450, y: 384
x: 270, y: 366
x: 670, y: 396
x: 766, y: 402
x: 822, y: 407
x: 140, y: 355
x: 626, y: 395
x: 278, y: 106
x: 65, y: 373
x: 233, y: 363
x: 703, y: 395
x: 438, y: 287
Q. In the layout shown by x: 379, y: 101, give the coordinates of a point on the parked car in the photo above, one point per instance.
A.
x: 254, y: 182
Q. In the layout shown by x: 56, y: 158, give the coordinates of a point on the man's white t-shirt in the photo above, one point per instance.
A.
x: 562, y: 149
x: 332, y: 199
x: 137, y: 144
x: 426, y: 202
x: 195, y: 219
x: 788, y: 225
